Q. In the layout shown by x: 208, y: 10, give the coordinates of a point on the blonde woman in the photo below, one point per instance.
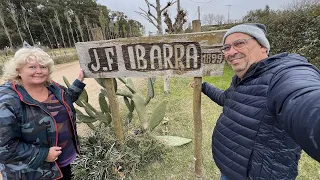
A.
x: 38, y: 137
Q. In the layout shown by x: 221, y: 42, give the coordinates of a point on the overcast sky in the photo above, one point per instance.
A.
x: 237, y: 8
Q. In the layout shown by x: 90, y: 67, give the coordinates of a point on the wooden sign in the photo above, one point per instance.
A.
x: 190, y: 54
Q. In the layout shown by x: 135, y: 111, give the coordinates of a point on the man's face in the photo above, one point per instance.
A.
x: 243, y: 52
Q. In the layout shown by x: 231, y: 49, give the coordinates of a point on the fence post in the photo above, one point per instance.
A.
x: 196, y: 27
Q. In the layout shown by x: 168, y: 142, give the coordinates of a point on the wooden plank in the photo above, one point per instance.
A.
x: 179, y: 55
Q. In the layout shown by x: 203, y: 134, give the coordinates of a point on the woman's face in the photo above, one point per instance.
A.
x: 33, y: 73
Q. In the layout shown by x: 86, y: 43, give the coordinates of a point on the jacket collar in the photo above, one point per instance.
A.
x: 260, y: 66
x: 24, y: 95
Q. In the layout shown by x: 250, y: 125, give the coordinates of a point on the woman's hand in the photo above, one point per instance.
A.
x: 81, y: 75
x: 191, y: 84
x: 53, y: 154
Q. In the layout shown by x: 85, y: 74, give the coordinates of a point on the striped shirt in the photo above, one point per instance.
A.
x: 64, y: 128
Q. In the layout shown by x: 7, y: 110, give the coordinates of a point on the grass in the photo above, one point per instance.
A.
x: 178, y: 163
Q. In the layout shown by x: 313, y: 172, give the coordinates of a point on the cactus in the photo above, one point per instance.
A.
x: 130, y: 106
x: 148, y: 124
x: 133, y: 101
x: 82, y: 98
x: 93, y: 115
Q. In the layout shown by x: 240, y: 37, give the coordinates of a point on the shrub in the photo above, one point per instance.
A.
x: 300, y: 36
x: 103, y: 158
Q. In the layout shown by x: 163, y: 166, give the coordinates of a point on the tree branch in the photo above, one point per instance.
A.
x: 147, y: 17
x: 169, y: 3
x: 149, y: 14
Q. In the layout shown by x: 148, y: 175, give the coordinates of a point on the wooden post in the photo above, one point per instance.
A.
x: 196, y: 27
x: 112, y: 97
x: 114, y: 108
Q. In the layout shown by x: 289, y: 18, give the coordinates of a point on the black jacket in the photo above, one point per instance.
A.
x: 267, y: 118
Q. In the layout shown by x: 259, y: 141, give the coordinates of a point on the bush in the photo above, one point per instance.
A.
x: 295, y: 30
x: 103, y: 158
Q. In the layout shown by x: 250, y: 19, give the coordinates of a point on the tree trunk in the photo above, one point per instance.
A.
x: 88, y: 29
x: 14, y: 18
x: 59, y: 24
x: 54, y: 34
x: 5, y: 29
x: 79, y: 27
x: 68, y: 37
x: 159, y: 18
x: 44, y: 29
x: 28, y: 27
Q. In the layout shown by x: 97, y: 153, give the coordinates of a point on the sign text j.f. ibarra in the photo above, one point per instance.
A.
x: 194, y: 54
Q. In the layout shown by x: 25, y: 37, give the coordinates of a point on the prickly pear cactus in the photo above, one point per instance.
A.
x: 148, y: 124
x: 93, y: 115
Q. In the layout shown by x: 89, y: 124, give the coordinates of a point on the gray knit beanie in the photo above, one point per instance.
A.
x: 256, y: 30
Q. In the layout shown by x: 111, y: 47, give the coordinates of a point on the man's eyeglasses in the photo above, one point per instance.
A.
x: 237, y: 45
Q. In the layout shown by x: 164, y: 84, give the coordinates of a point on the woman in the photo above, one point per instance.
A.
x: 38, y: 138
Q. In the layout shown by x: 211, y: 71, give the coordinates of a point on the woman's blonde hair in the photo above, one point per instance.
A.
x: 22, y: 57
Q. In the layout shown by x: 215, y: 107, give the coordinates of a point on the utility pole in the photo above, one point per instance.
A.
x: 179, y: 7
x: 229, y: 12
x: 199, y: 13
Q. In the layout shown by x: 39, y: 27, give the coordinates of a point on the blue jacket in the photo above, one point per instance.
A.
x: 28, y: 130
x: 267, y: 118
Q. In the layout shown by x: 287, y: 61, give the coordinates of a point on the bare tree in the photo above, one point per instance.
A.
x: 211, y: 19
x: 156, y: 20
x: 177, y: 26
x: 208, y: 19
x: 219, y: 19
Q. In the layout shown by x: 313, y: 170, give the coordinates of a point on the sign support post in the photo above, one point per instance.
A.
x: 196, y: 27
x: 112, y: 97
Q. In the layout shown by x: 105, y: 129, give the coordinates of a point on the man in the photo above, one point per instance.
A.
x: 270, y: 111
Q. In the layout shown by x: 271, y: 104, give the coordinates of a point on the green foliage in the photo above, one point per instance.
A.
x: 172, y: 140
x: 93, y: 115
x: 300, y: 36
x: 37, y: 14
x: 148, y: 123
x: 157, y: 115
x: 103, y: 158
